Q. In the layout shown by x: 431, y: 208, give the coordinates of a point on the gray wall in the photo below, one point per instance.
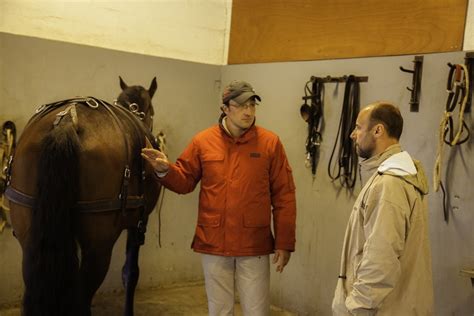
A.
x: 37, y: 71
x: 308, y: 283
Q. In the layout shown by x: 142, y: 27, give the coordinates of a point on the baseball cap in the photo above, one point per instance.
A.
x: 239, y: 91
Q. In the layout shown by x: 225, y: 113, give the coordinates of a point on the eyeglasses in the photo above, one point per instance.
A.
x: 248, y: 104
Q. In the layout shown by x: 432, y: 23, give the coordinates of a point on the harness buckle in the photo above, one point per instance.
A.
x: 126, y: 173
x: 92, y: 103
x: 40, y: 108
x: 133, y: 107
x: 141, y: 227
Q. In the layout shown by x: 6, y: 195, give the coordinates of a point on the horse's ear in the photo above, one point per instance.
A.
x: 153, y: 87
x: 123, y: 85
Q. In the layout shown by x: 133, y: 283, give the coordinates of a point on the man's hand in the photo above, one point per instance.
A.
x: 281, y: 258
x: 156, y: 158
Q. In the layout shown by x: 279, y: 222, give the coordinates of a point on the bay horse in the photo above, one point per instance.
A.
x: 76, y: 180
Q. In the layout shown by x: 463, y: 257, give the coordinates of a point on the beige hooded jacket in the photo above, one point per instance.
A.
x: 386, y: 258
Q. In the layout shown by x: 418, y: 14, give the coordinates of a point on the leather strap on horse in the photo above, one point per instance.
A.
x: 97, y: 206
x: 346, y: 167
x: 458, y: 93
x: 142, y: 220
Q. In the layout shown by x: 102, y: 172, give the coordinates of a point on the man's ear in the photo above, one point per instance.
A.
x: 379, y: 130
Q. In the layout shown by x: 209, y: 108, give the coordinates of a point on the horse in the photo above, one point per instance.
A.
x: 75, y: 181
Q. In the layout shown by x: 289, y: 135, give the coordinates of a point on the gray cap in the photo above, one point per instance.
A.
x: 239, y: 91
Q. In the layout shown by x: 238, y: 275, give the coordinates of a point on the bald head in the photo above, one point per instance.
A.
x: 378, y: 126
x: 388, y: 115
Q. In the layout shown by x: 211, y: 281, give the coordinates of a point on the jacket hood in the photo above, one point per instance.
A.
x: 369, y: 166
x: 395, y: 162
x: 403, y: 166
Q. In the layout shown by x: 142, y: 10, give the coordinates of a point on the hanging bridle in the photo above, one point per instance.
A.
x: 458, y: 93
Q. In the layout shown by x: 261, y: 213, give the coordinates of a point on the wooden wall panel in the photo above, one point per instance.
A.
x: 292, y: 30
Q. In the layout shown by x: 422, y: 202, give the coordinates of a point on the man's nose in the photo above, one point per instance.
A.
x: 353, y: 135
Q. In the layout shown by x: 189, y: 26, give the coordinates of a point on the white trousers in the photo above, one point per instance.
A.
x: 251, y: 277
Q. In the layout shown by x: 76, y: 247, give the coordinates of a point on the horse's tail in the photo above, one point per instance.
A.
x: 51, y: 275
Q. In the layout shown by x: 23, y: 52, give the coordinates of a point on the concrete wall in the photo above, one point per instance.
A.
x: 307, y: 286
x: 38, y: 71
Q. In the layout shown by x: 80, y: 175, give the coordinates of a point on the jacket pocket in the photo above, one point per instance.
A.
x: 209, y: 234
x: 209, y: 157
x: 213, y: 170
x: 209, y: 220
x: 256, y: 233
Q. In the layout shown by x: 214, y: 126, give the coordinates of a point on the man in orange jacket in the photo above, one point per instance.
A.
x: 246, y: 181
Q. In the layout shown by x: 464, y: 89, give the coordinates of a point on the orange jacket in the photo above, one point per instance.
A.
x: 243, y: 181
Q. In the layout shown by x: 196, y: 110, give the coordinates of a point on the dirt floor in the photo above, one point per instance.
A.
x: 176, y: 301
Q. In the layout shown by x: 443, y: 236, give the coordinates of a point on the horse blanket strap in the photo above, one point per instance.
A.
x: 346, y: 164
x: 97, y: 206
x: 458, y: 93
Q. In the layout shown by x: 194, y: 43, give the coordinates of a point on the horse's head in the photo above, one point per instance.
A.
x: 138, y: 100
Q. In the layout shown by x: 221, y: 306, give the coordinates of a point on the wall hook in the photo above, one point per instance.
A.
x: 415, y: 89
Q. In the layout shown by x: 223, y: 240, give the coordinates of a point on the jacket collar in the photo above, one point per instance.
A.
x: 370, y: 165
x: 244, y: 138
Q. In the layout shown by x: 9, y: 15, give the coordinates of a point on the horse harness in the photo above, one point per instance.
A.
x: 124, y: 201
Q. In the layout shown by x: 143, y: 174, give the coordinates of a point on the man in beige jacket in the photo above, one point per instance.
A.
x: 386, y: 258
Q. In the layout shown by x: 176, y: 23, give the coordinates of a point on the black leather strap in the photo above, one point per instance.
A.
x: 314, y: 139
x: 97, y: 206
x: 346, y: 160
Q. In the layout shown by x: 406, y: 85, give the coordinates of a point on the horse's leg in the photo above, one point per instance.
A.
x: 21, y: 219
x: 99, y: 232
x: 94, y: 266
x: 131, y: 271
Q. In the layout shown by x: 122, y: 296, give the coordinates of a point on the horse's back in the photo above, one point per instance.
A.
x: 101, y: 156
x: 107, y: 147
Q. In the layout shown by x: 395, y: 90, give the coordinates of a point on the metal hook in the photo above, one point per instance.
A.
x: 407, y: 70
x: 416, y: 83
